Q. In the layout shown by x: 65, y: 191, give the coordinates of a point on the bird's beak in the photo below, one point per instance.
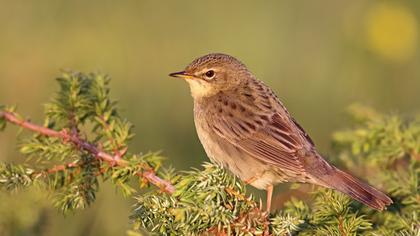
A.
x: 181, y: 74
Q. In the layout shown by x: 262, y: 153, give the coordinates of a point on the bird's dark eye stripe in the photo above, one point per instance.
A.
x: 210, y: 73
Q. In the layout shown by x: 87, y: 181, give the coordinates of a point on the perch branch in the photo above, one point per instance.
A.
x: 83, y: 144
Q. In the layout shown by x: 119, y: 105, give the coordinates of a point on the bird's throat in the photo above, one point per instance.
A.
x: 200, y: 89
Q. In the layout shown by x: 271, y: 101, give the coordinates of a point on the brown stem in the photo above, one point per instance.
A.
x: 83, y: 144
x: 55, y: 169
x: 340, y: 226
x: 58, y: 168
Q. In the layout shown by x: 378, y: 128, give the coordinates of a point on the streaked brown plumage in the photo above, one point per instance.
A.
x: 245, y: 128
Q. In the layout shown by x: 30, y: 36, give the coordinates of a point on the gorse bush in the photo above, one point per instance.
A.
x: 84, y: 140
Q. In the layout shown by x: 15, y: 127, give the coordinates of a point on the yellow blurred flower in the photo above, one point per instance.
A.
x: 392, y: 31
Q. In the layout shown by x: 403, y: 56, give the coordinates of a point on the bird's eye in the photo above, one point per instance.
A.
x: 210, y: 74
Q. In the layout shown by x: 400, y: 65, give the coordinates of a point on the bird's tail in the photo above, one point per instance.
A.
x: 356, y: 189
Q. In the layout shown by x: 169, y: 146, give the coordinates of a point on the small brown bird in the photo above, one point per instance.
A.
x: 245, y: 128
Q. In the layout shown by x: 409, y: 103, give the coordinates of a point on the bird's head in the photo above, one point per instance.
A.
x: 213, y: 73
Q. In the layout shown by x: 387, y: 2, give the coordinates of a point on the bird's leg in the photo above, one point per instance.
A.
x: 269, y: 190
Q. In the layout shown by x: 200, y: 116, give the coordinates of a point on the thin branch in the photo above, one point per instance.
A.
x: 63, y: 167
x: 150, y: 175
x: 340, y: 226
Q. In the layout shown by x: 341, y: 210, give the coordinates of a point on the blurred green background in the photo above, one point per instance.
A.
x: 318, y: 56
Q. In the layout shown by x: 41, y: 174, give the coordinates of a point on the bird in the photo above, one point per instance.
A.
x: 245, y: 128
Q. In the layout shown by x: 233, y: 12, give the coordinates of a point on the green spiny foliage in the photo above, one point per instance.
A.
x: 86, y: 98
x: 330, y: 213
x: 82, y: 109
x: 44, y: 149
x: 285, y: 224
x: 205, y: 201
x: 120, y: 175
x: 81, y: 192
x: 13, y: 177
x: 380, y: 141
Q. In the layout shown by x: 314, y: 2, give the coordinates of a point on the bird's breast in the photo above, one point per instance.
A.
x: 222, y: 152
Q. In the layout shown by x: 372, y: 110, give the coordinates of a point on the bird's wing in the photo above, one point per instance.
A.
x: 273, y: 138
